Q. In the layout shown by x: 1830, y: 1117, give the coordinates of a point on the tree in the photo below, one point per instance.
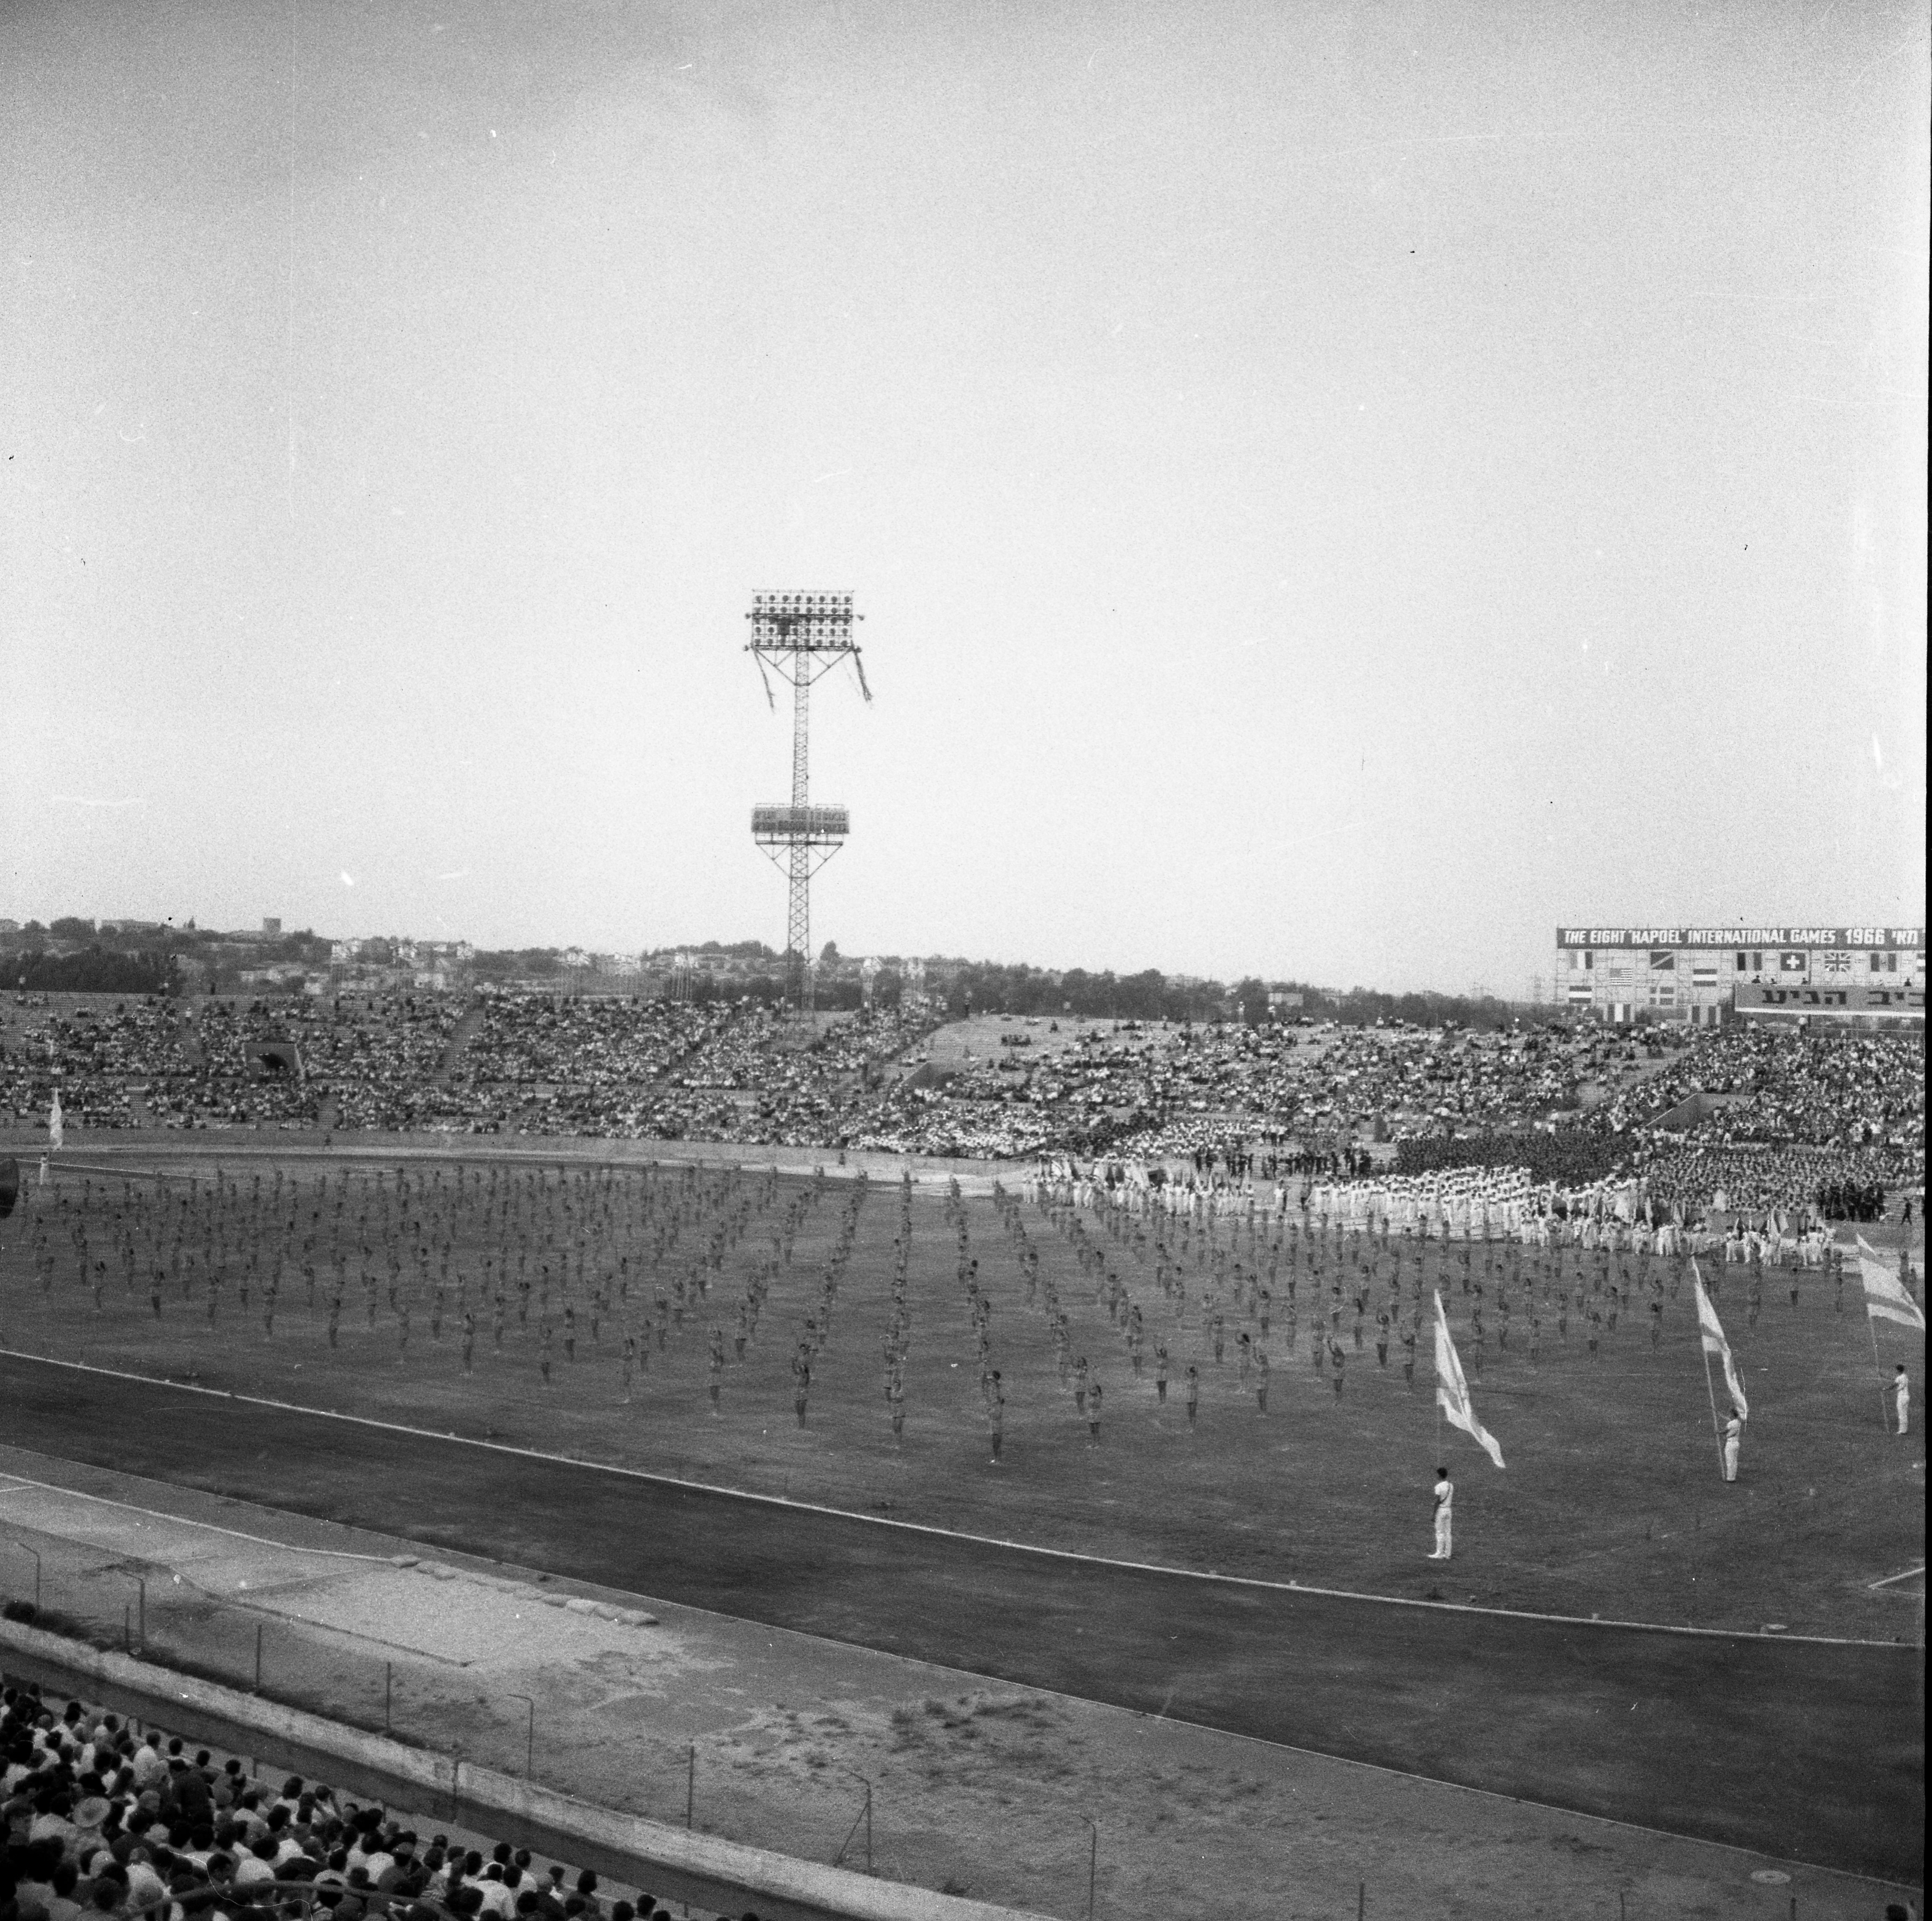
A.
x: 71, y: 927
x: 95, y: 971
x: 828, y: 955
x: 1250, y: 997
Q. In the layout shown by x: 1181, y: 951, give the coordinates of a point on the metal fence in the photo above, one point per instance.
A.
x: 810, y: 1804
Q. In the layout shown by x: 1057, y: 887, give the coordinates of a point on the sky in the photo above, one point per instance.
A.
x: 1333, y: 491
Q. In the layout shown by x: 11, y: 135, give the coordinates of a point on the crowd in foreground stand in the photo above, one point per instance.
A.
x: 102, y: 1822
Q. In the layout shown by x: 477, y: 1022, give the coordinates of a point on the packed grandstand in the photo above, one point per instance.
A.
x: 110, y: 1820
x: 1789, y: 1112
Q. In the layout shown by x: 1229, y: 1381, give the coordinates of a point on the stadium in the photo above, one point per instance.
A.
x: 1101, y: 1325
x: 310, y: 1288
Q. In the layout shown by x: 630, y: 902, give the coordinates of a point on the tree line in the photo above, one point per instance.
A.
x: 94, y: 970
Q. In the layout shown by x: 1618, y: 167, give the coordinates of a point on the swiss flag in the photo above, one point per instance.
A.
x: 1790, y: 962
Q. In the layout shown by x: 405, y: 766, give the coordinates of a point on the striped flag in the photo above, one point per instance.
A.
x: 1885, y: 1297
x: 1452, y: 1390
x: 1712, y: 1331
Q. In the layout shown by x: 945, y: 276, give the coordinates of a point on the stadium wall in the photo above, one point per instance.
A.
x: 1696, y: 975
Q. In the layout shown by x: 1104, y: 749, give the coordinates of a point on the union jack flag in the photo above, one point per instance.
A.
x: 1837, y: 962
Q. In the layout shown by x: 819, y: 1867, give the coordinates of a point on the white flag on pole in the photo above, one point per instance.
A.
x: 1712, y: 1331
x: 54, y: 1125
x: 1885, y: 1296
x: 1452, y: 1390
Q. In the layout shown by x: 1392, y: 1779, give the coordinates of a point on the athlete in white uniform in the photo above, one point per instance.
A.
x: 1901, y: 1398
x: 1445, y: 1497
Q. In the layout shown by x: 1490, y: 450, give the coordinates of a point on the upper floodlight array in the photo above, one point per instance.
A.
x: 804, y: 620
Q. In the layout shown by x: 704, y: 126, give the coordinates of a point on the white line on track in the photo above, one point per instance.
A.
x: 180, y: 1520
x: 950, y: 1534
x: 1890, y: 1578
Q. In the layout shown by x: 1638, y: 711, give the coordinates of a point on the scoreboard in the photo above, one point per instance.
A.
x: 1705, y: 975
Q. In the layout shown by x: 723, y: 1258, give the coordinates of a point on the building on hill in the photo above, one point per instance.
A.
x: 1705, y: 976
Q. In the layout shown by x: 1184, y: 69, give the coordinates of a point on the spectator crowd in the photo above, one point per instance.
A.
x: 1779, y: 1117
x: 103, y: 1824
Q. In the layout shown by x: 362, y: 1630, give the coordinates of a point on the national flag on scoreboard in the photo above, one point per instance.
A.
x: 1662, y: 960
x: 1838, y: 960
x: 1703, y: 974
x: 1712, y: 1332
x: 1885, y: 1296
x: 1580, y: 990
x: 1452, y: 1390
x: 1791, y: 962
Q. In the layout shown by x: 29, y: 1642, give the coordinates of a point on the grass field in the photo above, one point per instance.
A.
x: 1611, y: 1505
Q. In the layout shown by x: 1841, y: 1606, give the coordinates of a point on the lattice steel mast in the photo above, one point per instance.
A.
x: 800, y: 637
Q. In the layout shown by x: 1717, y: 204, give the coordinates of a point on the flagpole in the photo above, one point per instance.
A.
x: 1717, y: 1432
x: 1878, y: 1369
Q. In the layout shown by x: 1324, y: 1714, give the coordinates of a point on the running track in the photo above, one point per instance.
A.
x: 1804, y: 1750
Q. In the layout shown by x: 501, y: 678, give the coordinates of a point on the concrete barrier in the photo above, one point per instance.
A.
x: 673, y: 1863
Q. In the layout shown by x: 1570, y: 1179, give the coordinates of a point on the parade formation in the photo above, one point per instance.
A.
x: 1061, y: 1314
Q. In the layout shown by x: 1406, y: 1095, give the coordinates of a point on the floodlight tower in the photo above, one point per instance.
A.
x: 800, y: 637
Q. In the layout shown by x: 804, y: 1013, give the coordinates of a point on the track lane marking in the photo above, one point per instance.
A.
x: 951, y: 1534
x: 179, y: 1520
